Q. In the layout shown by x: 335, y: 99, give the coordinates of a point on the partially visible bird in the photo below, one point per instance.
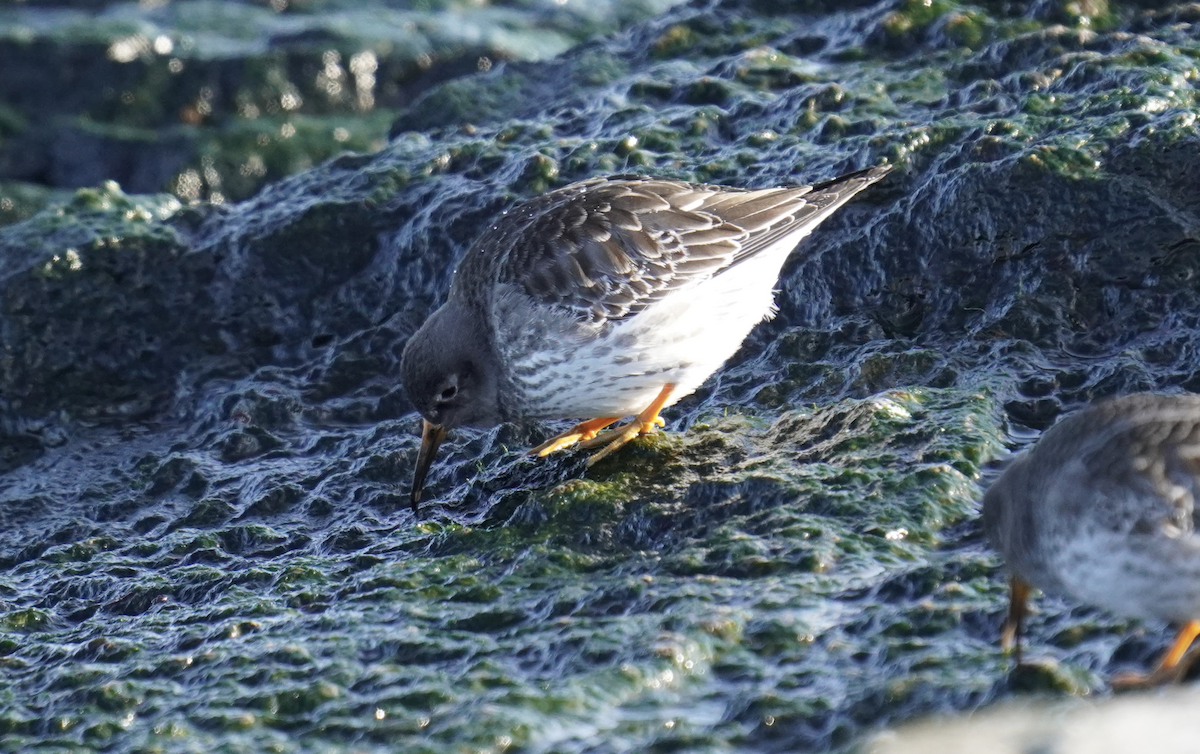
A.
x: 1103, y: 510
x: 607, y: 298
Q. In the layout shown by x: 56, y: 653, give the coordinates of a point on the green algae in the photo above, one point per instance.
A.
x: 25, y: 621
x: 95, y: 221
x: 791, y: 569
x: 329, y: 75
x: 914, y: 14
x: 19, y: 200
x: 1042, y: 676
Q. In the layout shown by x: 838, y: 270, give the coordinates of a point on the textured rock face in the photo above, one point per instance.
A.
x: 212, y: 99
x: 204, y: 448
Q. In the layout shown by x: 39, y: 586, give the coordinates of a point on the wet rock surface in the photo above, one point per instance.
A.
x: 206, y: 538
x: 212, y: 99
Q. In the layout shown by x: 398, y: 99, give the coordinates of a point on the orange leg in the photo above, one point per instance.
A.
x: 643, y: 424
x: 1169, y: 669
x: 1187, y: 634
x: 581, y: 431
x: 1018, y: 608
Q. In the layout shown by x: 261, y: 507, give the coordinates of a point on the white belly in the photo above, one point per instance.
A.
x: 680, y: 340
x: 1146, y: 576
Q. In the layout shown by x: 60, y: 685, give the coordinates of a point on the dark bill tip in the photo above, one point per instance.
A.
x: 431, y: 438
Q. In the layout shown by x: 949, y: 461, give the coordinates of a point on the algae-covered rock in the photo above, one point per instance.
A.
x: 140, y: 92
x: 204, y: 451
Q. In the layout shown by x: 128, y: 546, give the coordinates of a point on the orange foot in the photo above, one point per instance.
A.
x: 581, y: 431
x: 1171, y: 667
x: 643, y: 424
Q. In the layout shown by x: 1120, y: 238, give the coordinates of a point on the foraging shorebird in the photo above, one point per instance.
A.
x: 608, y: 298
x: 1103, y: 510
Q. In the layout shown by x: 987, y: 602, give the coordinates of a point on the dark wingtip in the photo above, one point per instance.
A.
x: 866, y: 176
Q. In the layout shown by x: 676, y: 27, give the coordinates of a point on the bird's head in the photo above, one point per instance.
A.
x: 450, y: 375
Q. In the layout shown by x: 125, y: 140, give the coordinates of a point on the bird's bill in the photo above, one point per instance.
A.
x: 431, y: 438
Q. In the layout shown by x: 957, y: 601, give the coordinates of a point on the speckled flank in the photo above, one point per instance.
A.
x: 681, y: 340
x: 616, y: 365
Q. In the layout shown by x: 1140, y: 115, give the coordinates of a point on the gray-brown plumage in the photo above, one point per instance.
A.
x: 603, y: 299
x: 607, y: 248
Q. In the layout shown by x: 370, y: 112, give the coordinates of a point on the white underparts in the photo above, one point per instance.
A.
x: 620, y: 368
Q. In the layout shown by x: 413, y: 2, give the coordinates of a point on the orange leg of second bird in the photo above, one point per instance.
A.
x: 1018, y: 608
x: 1171, y: 667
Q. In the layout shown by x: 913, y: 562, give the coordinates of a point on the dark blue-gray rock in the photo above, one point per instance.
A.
x: 206, y: 538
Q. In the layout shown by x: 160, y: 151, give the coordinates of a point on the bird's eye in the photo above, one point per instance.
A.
x: 448, y: 394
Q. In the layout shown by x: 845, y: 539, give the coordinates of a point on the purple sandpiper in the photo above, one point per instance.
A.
x: 607, y: 298
x: 1102, y: 510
